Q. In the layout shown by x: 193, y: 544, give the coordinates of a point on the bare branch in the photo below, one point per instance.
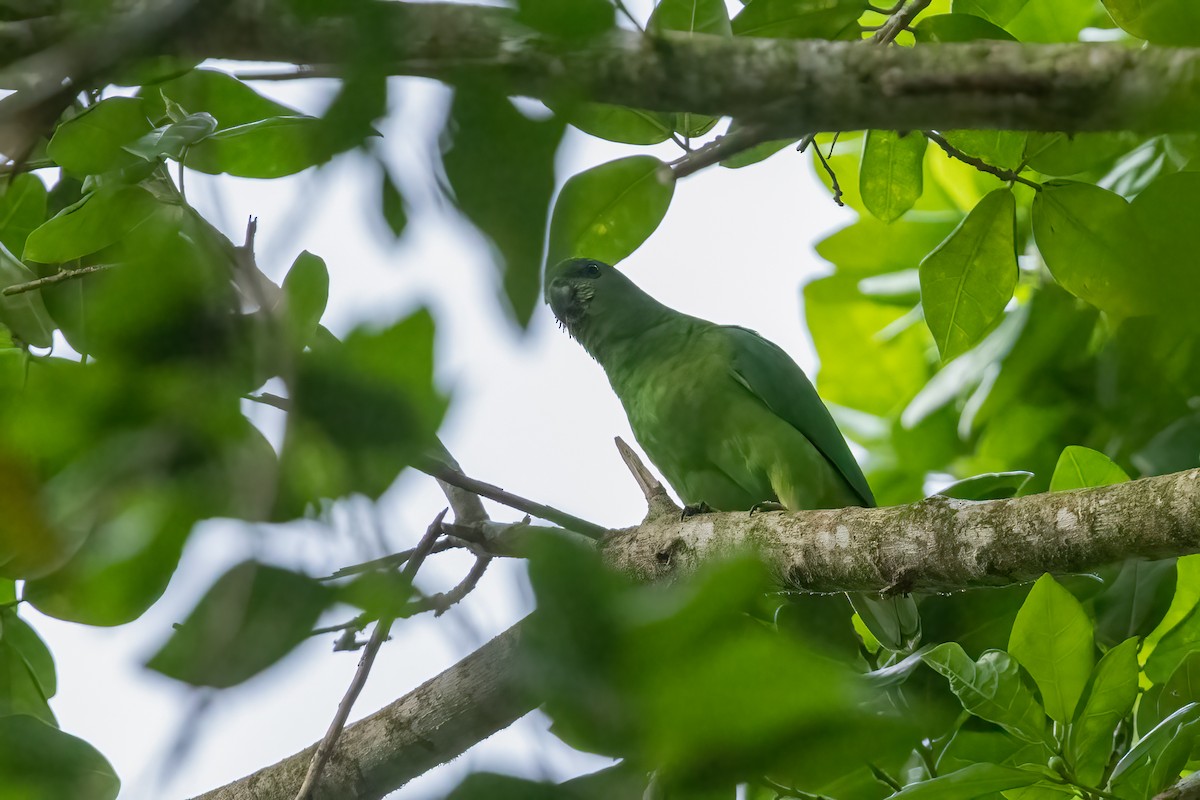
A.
x: 58, y: 277
x: 658, y: 502
x: 378, y: 637
x: 978, y: 163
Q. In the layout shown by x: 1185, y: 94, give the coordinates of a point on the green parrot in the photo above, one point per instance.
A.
x: 727, y: 417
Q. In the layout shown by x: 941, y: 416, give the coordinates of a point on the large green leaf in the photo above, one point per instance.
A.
x: 800, y: 19
x: 1136, y: 600
x: 1162, y: 212
x: 95, y: 222
x: 173, y: 139
x: 22, y: 208
x: 24, y: 313
x: 578, y: 20
x: 1171, y: 22
x: 991, y: 688
x: 999, y: 12
x: 1094, y: 248
x: 869, y: 247
x: 1167, y: 745
x: 967, y: 281
x: 957, y: 27
x: 40, y: 762
x: 990, y: 486
x: 1112, y: 691
x: 1004, y: 149
x: 218, y: 93
x: 1052, y: 638
x: 500, y: 165
x: 362, y: 410
x: 23, y: 674
x: 891, y: 177
x: 864, y: 365
x: 607, y: 212
x: 94, y: 142
x: 977, y: 780
x: 1181, y: 689
x: 250, y: 618
x: 618, y: 123
x: 1063, y: 154
x: 268, y: 148
x: 1081, y: 467
x: 306, y: 291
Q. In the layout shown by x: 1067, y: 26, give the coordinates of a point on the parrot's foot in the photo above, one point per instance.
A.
x: 767, y: 505
x: 692, y: 510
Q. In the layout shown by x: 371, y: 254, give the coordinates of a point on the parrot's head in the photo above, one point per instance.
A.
x: 596, y: 303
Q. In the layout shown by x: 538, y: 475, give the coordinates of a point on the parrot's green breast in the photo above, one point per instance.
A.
x: 713, y: 436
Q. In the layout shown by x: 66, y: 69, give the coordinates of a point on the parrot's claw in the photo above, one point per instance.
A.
x: 693, y: 510
x: 767, y: 505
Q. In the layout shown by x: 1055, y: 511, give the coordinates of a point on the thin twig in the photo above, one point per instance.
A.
x: 837, y: 188
x: 393, y: 561
x: 58, y: 277
x: 441, y: 602
x: 978, y: 163
x: 378, y: 637
x: 456, y: 478
x: 628, y: 15
x: 719, y: 149
x: 899, y: 21
x: 273, y: 400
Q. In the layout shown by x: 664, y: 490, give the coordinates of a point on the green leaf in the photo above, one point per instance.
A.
x: 1081, y: 468
x: 1136, y: 601
x: 607, y: 212
x: 574, y: 21
x: 362, y: 410
x: 1000, y: 12
x: 500, y: 165
x: 95, y: 222
x: 957, y: 27
x: 870, y: 247
x: 891, y: 177
x: 1133, y: 772
x: 1061, y: 154
x: 1169, y: 22
x: 755, y: 154
x: 619, y: 123
x: 1004, y: 149
x: 305, y: 291
x: 1052, y: 20
x: 893, y: 621
x: 967, y: 281
x: 250, y: 618
x: 1181, y: 689
x: 24, y: 314
x: 220, y: 94
x: 1110, y: 697
x: 268, y: 148
x: 22, y: 208
x: 991, y: 689
x: 1052, y: 638
x: 990, y: 486
x: 40, y: 762
x: 862, y: 366
x: 173, y: 140
x: 977, y: 780
x: 391, y: 203
x: 800, y: 19
x: 21, y: 687
x: 1181, y: 640
x: 1161, y: 211
x: 94, y: 141
x: 1093, y: 247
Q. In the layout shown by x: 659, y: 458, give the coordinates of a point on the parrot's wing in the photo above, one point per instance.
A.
x: 771, y: 375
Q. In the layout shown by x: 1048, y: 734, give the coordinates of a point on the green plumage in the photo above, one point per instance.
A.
x: 726, y: 415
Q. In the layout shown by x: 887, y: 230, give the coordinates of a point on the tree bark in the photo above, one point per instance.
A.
x: 430, y: 725
x: 938, y: 544
x: 797, y: 87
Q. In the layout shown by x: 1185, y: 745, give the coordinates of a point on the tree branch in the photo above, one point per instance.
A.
x: 792, y: 86
x: 938, y: 544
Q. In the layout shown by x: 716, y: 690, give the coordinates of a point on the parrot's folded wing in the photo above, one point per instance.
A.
x: 771, y: 375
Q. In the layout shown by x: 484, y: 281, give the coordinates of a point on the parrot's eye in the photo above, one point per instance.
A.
x: 593, y: 271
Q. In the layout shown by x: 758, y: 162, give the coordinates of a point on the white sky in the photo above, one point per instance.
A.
x: 530, y: 412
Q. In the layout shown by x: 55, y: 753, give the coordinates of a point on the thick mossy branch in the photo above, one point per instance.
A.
x: 938, y: 544
x: 794, y: 86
